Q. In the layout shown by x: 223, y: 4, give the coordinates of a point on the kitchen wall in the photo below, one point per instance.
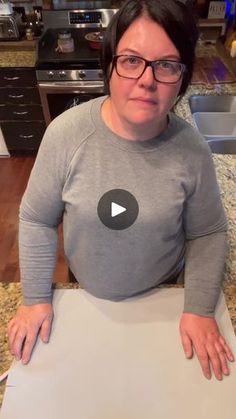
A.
x: 47, y: 4
x: 28, y: 5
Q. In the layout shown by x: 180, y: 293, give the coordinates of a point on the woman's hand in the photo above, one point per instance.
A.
x: 202, y: 334
x: 25, y: 326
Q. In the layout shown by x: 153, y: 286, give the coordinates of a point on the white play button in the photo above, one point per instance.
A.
x: 117, y: 209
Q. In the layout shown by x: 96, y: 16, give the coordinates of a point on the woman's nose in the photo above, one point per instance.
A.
x: 147, y: 79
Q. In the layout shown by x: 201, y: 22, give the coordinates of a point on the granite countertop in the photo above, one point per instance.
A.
x: 18, y: 53
x: 225, y: 170
x: 10, y: 295
x: 17, y: 58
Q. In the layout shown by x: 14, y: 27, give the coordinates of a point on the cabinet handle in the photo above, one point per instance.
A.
x: 27, y: 137
x: 15, y: 96
x: 20, y: 113
x: 11, y: 78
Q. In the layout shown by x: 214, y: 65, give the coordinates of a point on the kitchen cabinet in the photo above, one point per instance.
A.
x: 21, y: 116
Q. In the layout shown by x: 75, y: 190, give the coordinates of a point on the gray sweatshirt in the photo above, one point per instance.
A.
x: 180, y: 218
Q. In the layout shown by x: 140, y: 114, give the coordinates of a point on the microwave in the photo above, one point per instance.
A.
x: 11, y: 27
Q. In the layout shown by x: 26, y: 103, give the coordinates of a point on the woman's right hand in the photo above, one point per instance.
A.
x: 24, y: 328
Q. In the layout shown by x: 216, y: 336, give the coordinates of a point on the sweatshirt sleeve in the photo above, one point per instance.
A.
x: 204, y: 266
x: 41, y: 212
x: 205, y: 229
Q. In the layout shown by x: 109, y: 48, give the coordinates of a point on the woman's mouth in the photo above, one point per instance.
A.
x: 145, y: 101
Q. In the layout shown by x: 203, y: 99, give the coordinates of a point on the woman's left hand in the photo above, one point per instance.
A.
x: 202, y: 335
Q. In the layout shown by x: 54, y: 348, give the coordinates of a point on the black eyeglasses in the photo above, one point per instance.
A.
x: 133, y: 67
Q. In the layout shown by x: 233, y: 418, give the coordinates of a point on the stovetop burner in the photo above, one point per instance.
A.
x: 53, y: 65
x: 82, y: 54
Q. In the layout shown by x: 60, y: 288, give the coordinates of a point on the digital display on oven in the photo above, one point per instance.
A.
x: 84, y: 17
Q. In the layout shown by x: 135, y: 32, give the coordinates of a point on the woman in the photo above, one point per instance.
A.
x: 129, y: 153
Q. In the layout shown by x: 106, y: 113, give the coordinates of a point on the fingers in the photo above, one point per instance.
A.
x: 46, y: 330
x: 222, y: 358
x: 187, y: 345
x: 204, y: 361
x: 12, y: 330
x: 219, y: 353
x: 22, y: 341
x: 213, y: 354
x: 201, y: 334
x: 24, y: 328
x: 28, y: 346
x: 218, y: 363
x: 227, y: 349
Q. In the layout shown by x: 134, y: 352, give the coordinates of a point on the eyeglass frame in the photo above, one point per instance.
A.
x: 148, y: 63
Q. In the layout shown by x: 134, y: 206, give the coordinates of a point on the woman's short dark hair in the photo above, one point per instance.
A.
x: 176, y: 19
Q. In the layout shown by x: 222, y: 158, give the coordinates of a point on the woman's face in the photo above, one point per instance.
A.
x: 144, y: 102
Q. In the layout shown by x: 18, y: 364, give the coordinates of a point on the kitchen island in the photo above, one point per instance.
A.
x: 10, y: 294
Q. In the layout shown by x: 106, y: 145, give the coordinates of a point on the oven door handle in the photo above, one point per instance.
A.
x: 78, y: 87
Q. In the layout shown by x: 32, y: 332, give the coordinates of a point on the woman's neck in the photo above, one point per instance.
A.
x: 126, y: 130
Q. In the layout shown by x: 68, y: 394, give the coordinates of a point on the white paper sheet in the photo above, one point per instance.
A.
x: 118, y: 360
x: 3, y: 148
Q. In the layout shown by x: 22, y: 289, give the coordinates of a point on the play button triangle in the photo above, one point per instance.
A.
x: 117, y: 209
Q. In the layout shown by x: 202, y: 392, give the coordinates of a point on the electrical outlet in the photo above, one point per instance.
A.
x: 217, y: 10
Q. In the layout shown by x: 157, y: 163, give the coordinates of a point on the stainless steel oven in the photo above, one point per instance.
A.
x: 68, y: 79
x: 56, y: 97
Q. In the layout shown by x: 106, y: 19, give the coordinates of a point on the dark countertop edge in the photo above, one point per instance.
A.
x: 21, y: 45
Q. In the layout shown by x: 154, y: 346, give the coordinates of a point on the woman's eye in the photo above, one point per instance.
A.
x: 165, y: 65
x: 132, y: 60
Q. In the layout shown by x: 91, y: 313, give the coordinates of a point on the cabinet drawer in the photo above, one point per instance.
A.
x: 18, y: 95
x: 23, y: 135
x: 21, y: 112
x: 18, y: 77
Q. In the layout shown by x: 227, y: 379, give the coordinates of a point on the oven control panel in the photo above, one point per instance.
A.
x: 90, y: 18
x: 85, y: 17
x: 69, y: 75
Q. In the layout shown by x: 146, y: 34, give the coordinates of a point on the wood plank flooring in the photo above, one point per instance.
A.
x: 211, y: 70
x: 14, y: 174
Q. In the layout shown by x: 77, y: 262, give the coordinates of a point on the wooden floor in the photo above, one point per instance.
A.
x: 14, y: 174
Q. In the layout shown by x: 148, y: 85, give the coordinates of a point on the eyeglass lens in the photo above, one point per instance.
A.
x: 133, y: 67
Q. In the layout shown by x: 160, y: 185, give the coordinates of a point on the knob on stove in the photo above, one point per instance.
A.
x: 50, y: 74
x: 81, y: 74
x: 62, y: 74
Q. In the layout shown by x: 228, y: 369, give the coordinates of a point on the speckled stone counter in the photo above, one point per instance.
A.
x: 17, y: 58
x: 225, y: 170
